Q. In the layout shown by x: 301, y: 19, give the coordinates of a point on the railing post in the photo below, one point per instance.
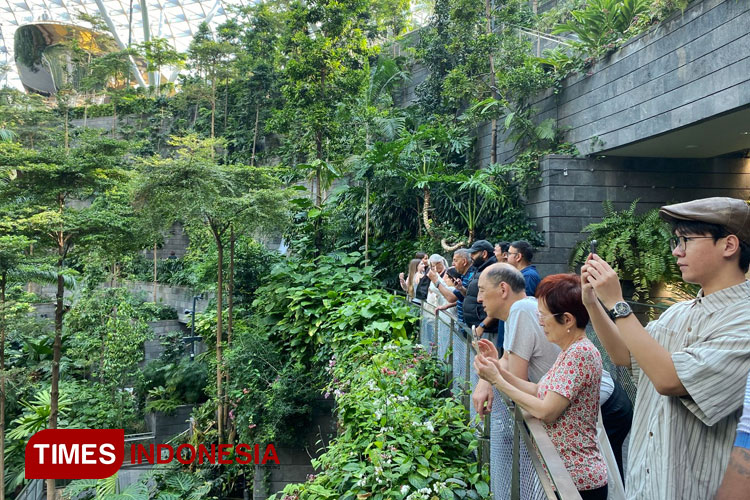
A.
x: 467, y: 374
x: 515, y: 478
x: 450, y: 341
x: 436, y: 333
x: 486, y: 440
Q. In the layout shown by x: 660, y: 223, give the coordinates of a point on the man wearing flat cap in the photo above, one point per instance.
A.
x: 690, y: 364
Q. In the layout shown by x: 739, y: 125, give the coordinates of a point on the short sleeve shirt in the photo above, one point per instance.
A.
x: 576, y: 376
x: 680, y: 446
x: 525, y: 338
x: 743, y: 428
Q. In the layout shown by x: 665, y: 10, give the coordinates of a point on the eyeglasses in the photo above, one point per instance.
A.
x: 543, y: 317
x: 514, y: 253
x: 682, y: 241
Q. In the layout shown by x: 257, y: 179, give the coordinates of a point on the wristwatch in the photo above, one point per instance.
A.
x: 620, y: 310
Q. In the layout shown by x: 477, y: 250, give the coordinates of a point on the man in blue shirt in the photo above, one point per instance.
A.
x: 520, y: 255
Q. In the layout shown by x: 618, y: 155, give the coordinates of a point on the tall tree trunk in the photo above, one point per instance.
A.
x: 57, y: 343
x: 426, y: 212
x: 230, y: 300
x: 56, y: 354
x: 213, y: 106
x: 66, y: 130
x: 155, y: 274
x: 493, y: 85
x: 226, y: 104
x: 114, y: 118
x: 367, y: 217
x: 3, y: 281
x: 219, y: 336
x: 30, y: 286
x: 255, y: 133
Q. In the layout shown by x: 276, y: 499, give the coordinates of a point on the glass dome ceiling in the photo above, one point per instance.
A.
x: 175, y: 20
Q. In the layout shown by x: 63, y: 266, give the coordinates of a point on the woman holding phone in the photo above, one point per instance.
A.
x: 566, y: 399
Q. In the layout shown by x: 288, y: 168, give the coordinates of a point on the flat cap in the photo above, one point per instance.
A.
x: 732, y: 213
x: 482, y: 245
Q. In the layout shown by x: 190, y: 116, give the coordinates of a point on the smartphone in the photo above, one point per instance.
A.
x: 594, y: 244
x: 474, y: 340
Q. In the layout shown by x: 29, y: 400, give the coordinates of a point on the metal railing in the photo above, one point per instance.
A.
x: 451, y: 342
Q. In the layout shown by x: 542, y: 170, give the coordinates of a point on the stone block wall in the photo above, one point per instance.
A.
x: 294, y: 463
x: 571, y: 192
x: 166, y: 426
x: 692, y: 67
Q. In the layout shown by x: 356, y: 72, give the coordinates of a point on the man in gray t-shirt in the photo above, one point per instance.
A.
x: 525, y: 338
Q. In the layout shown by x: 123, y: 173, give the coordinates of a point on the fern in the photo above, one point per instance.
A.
x: 636, y: 246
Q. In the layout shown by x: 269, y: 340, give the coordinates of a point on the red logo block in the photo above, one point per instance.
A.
x: 75, y: 453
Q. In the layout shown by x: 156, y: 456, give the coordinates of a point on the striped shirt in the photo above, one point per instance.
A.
x: 680, y: 446
x: 743, y: 428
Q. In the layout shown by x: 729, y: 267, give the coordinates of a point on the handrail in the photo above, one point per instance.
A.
x: 555, y: 480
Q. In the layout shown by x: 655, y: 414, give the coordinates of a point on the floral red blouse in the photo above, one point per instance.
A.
x: 576, y: 375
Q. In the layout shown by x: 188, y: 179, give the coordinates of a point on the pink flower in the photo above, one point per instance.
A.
x: 245, y: 391
x: 252, y: 426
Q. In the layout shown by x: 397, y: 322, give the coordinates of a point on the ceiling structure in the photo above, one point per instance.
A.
x: 175, y: 20
x: 726, y: 134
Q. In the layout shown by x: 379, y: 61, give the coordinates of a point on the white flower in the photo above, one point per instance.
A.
x: 404, y: 489
x: 429, y: 427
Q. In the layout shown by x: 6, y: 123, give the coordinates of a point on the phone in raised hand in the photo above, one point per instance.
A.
x: 593, y: 246
x: 474, y: 339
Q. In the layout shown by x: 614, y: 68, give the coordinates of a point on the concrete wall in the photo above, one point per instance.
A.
x: 572, y: 190
x: 165, y: 427
x: 692, y: 67
x: 294, y: 463
x: 153, y: 349
x: 175, y: 240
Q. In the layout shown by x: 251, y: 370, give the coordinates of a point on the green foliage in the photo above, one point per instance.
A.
x: 175, y: 377
x: 162, y: 400
x: 36, y: 415
x: 271, y: 396
x: 305, y: 316
x: 398, y: 438
x: 603, y: 22
x: 635, y: 245
x: 99, y: 406
x: 107, y: 329
x: 160, y: 483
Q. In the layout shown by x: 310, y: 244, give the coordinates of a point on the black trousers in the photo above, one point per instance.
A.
x: 617, y: 416
x: 597, y: 494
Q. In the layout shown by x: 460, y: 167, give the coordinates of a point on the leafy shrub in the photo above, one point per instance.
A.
x: 635, y: 245
x: 399, y: 438
x: 164, y: 482
x: 301, y: 306
x: 181, y: 380
x: 107, y: 329
x: 271, y: 397
x: 602, y: 23
x: 98, y: 406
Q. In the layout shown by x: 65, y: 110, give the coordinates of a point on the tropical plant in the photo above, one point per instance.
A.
x: 398, y: 438
x: 602, y: 23
x: 635, y: 245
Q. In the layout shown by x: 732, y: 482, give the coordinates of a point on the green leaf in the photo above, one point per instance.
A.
x: 483, y: 489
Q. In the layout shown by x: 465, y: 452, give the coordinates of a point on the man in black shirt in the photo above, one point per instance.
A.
x: 483, y: 256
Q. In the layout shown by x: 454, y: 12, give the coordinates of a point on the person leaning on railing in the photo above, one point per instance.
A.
x: 566, y: 399
x: 689, y: 364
